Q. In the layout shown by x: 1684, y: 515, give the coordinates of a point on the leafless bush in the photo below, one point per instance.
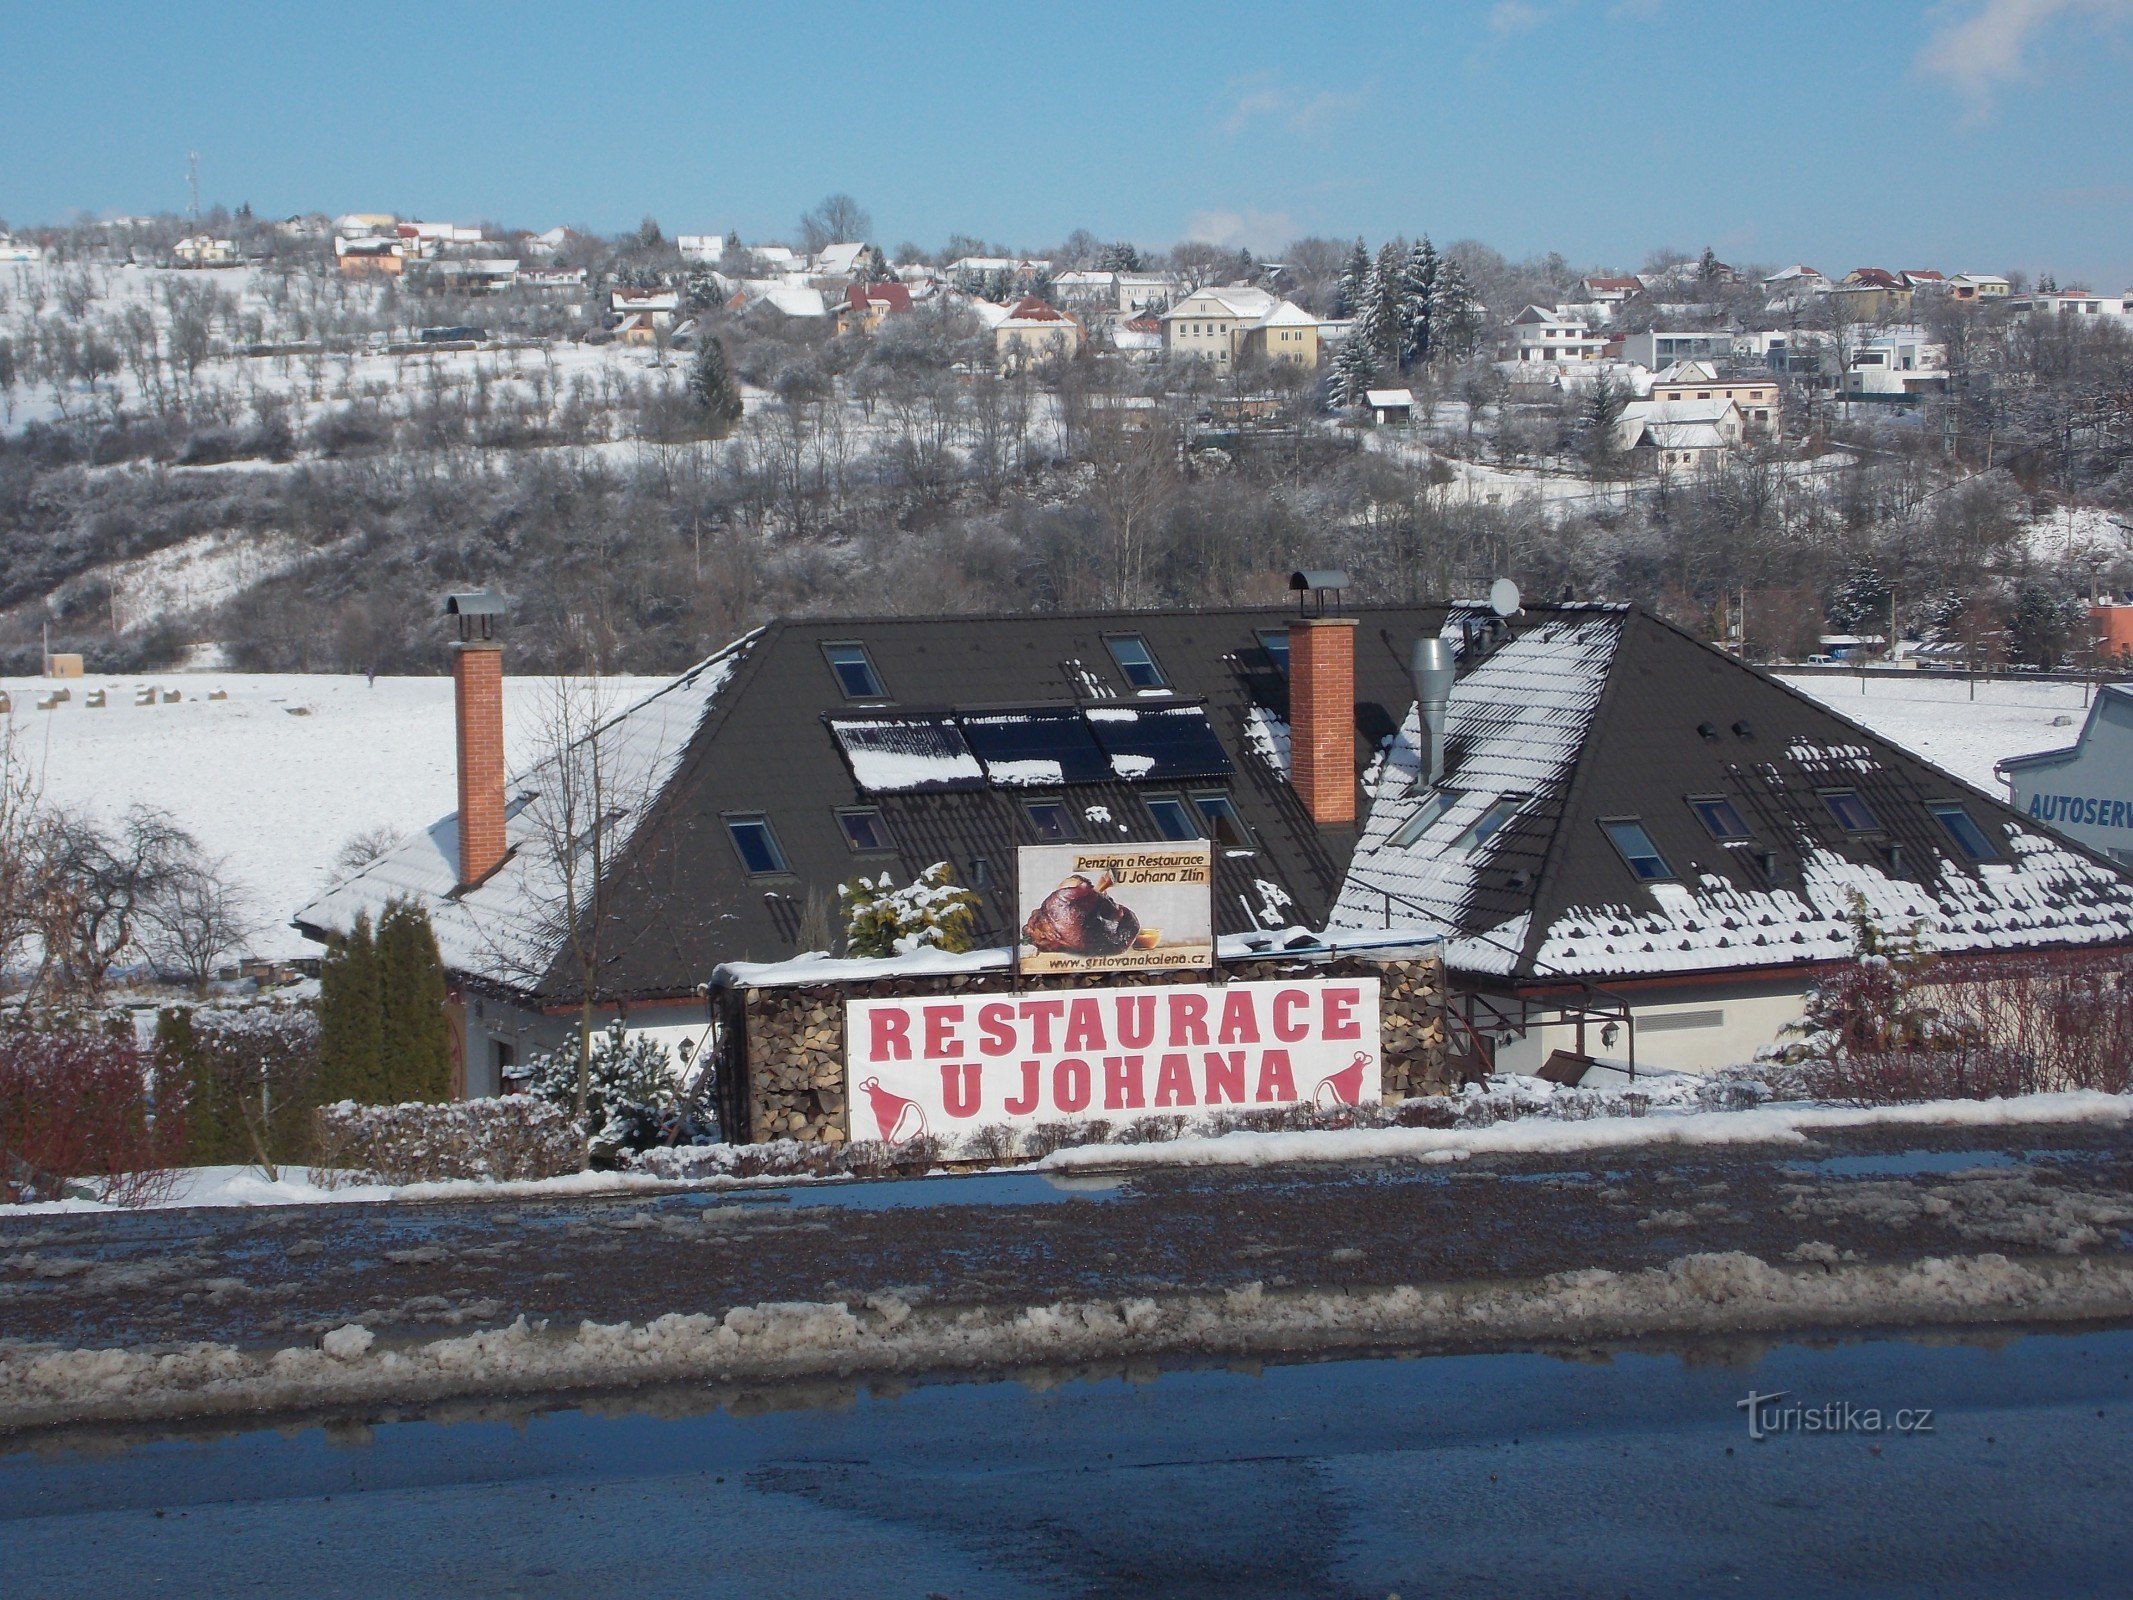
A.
x: 1998, y: 1027
x: 993, y: 1142
x: 1152, y: 1130
x: 81, y: 1104
x: 513, y: 1138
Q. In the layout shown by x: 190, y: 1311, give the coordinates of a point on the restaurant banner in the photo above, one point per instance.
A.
x: 929, y: 1064
x: 1115, y: 908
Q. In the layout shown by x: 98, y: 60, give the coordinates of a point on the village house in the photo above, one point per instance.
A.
x: 701, y: 249
x: 1757, y: 395
x: 369, y: 257
x: 1658, y: 351
x: 1872, y: 294
x: 1223, y: 326
x: 1389, y: 405
x: 1553, y: 333
x: 864, y: 307
x: 1979, y: 286
x: 1674, y: 437
x: 1033, y: 332
x: 1900, y: 365
x: 204, y: 250
x: 1610, y: 294
x: 1598, y: 815
x: 2072, y: 303
x: 657, y: 305
x: 1795, y: 286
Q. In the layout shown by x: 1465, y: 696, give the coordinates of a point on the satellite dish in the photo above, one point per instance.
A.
x: 1503, y: 597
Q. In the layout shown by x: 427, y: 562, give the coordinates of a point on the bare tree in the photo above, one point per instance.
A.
x: 98, y: 887
x: 839, y: 219
x: 198, y: 915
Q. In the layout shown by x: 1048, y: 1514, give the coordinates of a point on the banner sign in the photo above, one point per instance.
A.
x: 1114, y: 908
x: 934, y: 1064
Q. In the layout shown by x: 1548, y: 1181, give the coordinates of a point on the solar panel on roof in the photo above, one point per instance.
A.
x: 1159, y: 744
x: 906, y: 753
x: 1038, y: 747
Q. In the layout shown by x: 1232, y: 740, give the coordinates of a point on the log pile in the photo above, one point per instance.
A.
x: 792, y: 1039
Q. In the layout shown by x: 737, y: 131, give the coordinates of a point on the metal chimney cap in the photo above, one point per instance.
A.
x: 475, y: 603
x: 1318, y: 578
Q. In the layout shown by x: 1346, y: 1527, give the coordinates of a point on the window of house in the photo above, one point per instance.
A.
x: 1224, y: 825
x: 1490, y: 824
x: 865, y: 829
x: 855, y: 672
x: 755, y: 844
x: 1968, y: 836
x: 1439, y: 802
x: 1173, y: 820
x: 1131, y: 653
x: 1719, y: 815
x: 1850, y: 811
x: 1638, y: 852
x: 1052, y: 822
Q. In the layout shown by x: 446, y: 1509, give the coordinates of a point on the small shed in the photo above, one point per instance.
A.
x: 1390, y: 405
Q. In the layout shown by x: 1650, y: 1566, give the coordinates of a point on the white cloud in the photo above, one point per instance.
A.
x: 1300, y: 110
x: 1989, y: 45
x: 1258, y: 231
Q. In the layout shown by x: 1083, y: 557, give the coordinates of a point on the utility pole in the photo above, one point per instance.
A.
x: 192, y: 185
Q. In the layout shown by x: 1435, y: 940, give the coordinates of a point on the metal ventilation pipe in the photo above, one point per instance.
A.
x: 1433, y: 667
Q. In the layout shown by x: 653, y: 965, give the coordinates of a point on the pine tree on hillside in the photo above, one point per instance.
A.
x: 1859, y: 601
x: 350, y: 1039
x: 415, y: 1044
x: 1120, y: 257
x: 1455, y: 315
x: 1355, y: 369
x: 876, y: 268
x: 1377, y: 319
x: 1355, y: 277
x: 1418, y: 298
x: 712, y: 387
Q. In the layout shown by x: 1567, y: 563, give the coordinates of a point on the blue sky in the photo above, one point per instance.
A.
x: 1974, y: 134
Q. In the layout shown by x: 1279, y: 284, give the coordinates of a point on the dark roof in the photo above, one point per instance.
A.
x: 1574, y: 714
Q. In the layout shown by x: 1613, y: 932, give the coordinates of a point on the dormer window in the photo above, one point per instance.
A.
x: 855, y: 671
x: 1721, y: 817
x: 1850, y: 811
x: 1135, y: 660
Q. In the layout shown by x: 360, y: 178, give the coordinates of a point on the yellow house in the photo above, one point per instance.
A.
x: 1222, y: 326
x: 1286, y: 334
x: 1761, y: 407
x: 1033, y: 332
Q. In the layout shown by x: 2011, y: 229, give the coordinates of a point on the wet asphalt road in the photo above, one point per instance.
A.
x: 270, y: 1277
x: 1626, y: 1471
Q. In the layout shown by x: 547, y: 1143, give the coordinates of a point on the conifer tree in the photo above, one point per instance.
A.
x: 1355, y: 369
x: 350, y: 1038
x: 932, y: 912
x: 711, y: 385
x: 1355, y: 276
x: 415, y: 1045
x: 1455, y: 316
x: 1418, y: 292
x: 1377, y: 319
x: 1120, y: 257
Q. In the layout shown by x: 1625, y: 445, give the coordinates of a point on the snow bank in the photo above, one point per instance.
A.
x: 303, y: 1186
x: 1715, y: 1292
x: 1548, y: 1135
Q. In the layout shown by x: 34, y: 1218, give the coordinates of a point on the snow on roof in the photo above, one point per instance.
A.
x: 1239, y: 300
x: 1283, y: 314
x: 1516, y: 722
x: 1684, y: 436
x: 2047, y: 895
x: 502, y: 929
x: 793, y: 299
x: 1679, y: 411
x: 839, y: 258
x: 1389, y: 397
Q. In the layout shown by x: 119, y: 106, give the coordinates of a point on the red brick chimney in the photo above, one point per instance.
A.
x: 1322, y: 717
x: 478, y: 715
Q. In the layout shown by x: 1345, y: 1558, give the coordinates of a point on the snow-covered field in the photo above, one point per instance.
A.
x: 281, y: 774
x: 1938, y: 719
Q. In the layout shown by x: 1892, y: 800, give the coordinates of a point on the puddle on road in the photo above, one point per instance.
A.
x: 888, y: 1194
x: 1905, y: 1164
